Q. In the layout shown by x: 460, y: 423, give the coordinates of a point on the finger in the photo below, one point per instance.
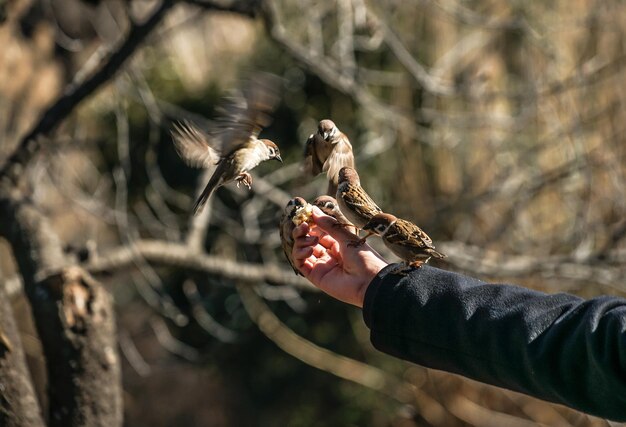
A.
x: 319, y: 251
x: 301, y: 230
x: 331, y: 245
x: 305, y: 266
x: 301, y: 253
x: 306, y: 241
x: 328, y: 224
x: 327, y: 241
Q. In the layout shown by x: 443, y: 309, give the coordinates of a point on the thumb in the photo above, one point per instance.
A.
x: 329, y: 225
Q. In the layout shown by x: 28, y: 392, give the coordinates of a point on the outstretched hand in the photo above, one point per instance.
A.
x: 322, y: 254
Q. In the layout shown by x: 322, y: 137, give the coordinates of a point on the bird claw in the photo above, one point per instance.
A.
x: 356, y: 243
x: 340, y: 224
x: 416, y: 264
x: 245, y: 179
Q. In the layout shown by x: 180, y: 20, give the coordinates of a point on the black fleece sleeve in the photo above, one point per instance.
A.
x: 557, y: 347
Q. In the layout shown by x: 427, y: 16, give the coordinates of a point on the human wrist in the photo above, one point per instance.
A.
x: 370, y: 272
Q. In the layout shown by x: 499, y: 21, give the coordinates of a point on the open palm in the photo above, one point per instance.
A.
x: 321, y: 252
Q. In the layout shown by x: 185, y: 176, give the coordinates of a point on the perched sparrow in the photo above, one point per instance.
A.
x: 329, y: 206
x: 286, y: 228
x: 403, y: 238
x: 232, y: 143
x: 328, y: 150
x: 353, y: 201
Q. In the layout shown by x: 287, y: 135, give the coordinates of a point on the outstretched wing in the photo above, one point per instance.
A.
x: 244, y: 114
x: 194, y: 146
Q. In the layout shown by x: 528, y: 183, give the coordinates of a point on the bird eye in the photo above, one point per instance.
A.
x: 329, y: 205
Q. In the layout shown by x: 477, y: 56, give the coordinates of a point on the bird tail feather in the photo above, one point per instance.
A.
x: 206, y: 193
x: 436, y: 254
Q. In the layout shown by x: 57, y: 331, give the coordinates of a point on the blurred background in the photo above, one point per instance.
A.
x: 496, y: 126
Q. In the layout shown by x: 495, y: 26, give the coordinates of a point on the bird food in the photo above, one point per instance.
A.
x: 303, y: 214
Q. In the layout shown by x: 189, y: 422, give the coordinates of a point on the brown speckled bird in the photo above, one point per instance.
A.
x: 286, y: 227
x: 232, y: 143
x: 328, y: 150
x: 329, y: 206
x: 403, y: 238
x: 353, y: 201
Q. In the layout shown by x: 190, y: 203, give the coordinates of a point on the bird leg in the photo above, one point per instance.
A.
x: 244, y: 178
x: 417, y: 264
x: 361, y: 241
x: 405, y: 268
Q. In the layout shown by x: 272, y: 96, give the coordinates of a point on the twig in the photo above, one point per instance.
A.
x: 78, y: 90
x: 341, y: 366
x: 176, y: 254
x: 202, y: 316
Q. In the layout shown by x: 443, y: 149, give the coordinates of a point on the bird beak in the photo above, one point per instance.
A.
x: 326, y: 136
x: 280, y: 159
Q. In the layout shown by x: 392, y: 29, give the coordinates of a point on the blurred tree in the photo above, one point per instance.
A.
x: 496, y: 126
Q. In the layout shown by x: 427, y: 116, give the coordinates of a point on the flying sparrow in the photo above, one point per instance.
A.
x: 232, y: 142
x: 286, y: 228
x: 353, y: 201
x: 403, y: 238
x: 329, y: 206
x: 328, y: 150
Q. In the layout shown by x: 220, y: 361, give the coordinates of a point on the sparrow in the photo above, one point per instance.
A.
x: 286, y: 227
x: 329, y: 206
x: 403, y: 238
x: 232, y: 143
x: 353, y: 201
x: 328, y: 150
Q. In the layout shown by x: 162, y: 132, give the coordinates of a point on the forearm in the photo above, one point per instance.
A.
x: 555, y: 347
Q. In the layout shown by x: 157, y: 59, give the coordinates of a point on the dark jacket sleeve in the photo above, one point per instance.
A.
x: 557, y: 347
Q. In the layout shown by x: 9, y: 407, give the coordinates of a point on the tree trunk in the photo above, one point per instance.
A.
x: 18, y: 402
x: 74, y: 318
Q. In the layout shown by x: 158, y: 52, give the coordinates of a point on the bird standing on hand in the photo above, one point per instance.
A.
x: 328, y: 150
x: 286, y: 227
x: 353, y: 201
x: 329, y: 206
x: 232, y: 143
x: 403, y: 238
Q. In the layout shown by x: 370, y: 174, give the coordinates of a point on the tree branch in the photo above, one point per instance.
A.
x: 183, y: 256
x: 341, y: 366
x: 77, y: 91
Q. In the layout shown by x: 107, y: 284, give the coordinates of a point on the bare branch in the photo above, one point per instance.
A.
x: 179, y: 255
x: 78, y: 90
x: 341, y: 366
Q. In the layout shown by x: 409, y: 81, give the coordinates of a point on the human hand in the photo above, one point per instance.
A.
x: 323, y: 256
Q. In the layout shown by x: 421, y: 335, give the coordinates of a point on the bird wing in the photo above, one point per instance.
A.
x: 312, y: 164
x: 405, y: 233
x: 360, y: 202
x: 243, y: 115
x: 194, y: 146
x: 340, y: 156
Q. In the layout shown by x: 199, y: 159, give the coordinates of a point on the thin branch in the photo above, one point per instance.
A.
x: 78, y: 90
x: 341, y: 366
x: 179, y: 255
x: 493, y: 264
x: 202, y: 316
